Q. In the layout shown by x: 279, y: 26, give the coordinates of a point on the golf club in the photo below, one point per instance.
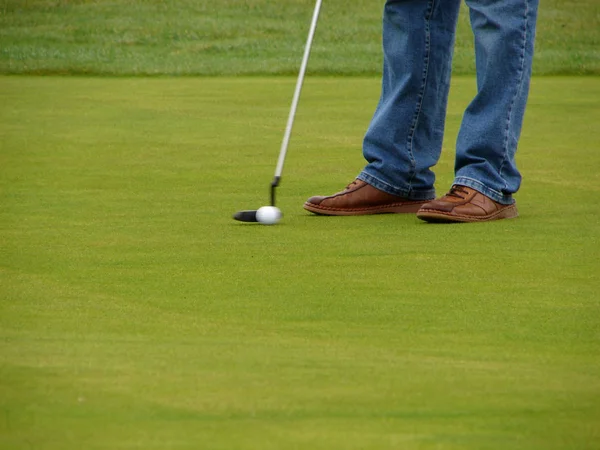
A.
x: 250, y: 215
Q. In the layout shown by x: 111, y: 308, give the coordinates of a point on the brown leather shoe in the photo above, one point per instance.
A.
x: 463, y: 204
x: 360, y: 198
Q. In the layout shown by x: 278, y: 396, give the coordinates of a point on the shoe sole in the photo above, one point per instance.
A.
x: 394, y: 208
x: 435, y: 216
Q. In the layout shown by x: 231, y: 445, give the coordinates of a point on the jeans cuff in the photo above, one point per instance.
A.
x: 488, y: 192
x: 409, y: 194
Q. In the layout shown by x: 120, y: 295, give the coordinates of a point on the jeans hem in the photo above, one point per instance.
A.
x: 409, y: 194
x: 488, y: 192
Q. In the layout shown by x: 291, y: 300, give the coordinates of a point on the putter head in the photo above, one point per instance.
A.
x: 246, y: 216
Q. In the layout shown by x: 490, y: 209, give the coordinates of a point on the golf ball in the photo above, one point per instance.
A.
x: 268, y: 215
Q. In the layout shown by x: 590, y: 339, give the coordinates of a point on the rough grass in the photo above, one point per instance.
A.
x: 232, y: 37
x: 136, y: 314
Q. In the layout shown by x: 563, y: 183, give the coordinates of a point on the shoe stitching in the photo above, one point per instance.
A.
x: 391, y: 205
x: 469, y: 217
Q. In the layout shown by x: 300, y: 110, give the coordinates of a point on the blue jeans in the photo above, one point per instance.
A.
x: 404, y: 139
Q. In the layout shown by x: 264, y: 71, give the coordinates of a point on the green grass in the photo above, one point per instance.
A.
x: 136, y: 314
x: 232, y: 37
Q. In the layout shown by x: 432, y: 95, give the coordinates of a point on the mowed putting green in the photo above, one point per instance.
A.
x: 136, y: 313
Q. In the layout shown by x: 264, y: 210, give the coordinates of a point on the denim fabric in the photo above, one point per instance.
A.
x: 404, y: 139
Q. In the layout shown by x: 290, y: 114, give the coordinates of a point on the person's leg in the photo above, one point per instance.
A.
x: 486, y: 175
x: 404, y: 139
x: 485, y: 152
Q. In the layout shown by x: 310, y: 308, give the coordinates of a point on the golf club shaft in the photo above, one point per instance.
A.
x: 290, y: 122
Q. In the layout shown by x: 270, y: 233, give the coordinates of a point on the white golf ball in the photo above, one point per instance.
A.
x: 268, y: 215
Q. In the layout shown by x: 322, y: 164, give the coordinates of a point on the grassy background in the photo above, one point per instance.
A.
x: 232, y: 37
x: 136, y: 314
